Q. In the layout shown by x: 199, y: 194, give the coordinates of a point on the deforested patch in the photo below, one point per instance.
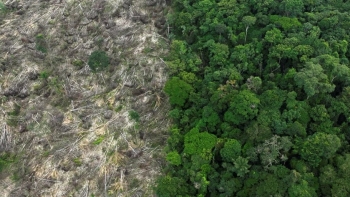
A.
x: 70, y: 127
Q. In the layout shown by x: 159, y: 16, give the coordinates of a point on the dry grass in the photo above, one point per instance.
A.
x: 75, y: 136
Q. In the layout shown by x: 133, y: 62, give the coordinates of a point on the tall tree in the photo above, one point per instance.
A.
x: 313, y: 80
x: 319, y: 146
x: 248, y: 21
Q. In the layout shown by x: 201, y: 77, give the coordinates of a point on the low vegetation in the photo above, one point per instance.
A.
x: 98, y: 60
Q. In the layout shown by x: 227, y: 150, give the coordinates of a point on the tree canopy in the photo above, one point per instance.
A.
x: 260, y: 92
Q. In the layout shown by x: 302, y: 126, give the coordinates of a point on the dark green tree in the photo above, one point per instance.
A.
x: 98, y: 60
x: 168, y: 186
x: 231, y: 150
x: 293, y: 7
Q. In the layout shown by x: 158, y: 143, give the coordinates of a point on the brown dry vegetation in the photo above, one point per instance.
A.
x: 73, y: 134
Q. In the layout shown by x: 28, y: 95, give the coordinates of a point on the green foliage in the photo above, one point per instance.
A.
x: 98, y: 60
x: 249, y: 20
x: 3, y: 9
x: 119, y: 108
x: 174, y: 158
x: 285, y: 22
x: 99, y: 140
x: 302, y: 189
x: 189, y: 78
x: 241, y: 55
x: 268, y: 83
x: 56, y: 86
x: 274, y: 36
x: 41, y: 43
x: 46, y: 153
x: 296, y: 128
x: 210, y: 117
x: 319, y: 146
x: 254, y: 84
x: 274, y: 150
x: 175, y: 139
x: 198, y: 142
x: 218, y: 52
x: 338, y: 180
x: 319, y: 113
x: 6, y: 160
x: 178, y: 91
x: 15, y: 111
x: 15, y: 176
x: 44, y: 75
x: 182, y: 58
x: 293, y: 7
x: 313, y: 80
x: 231, y: 150
x: 168, y: 186
x: 77, y: 161
x: 243, y: 107
x: 134, y: 115
x: 241, y: 166
x: 12, y: 119
x: 99, y: 42
x: 78, y: 63
x: 272, y: 99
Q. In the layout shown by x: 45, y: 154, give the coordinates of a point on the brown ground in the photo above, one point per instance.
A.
x: 69, y: 129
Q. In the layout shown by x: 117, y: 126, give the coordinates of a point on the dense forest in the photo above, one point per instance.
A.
x: 260, y: 95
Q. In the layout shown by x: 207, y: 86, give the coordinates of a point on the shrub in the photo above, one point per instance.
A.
x: 174, y: 158
x: 6, y: 160
x: 3, y: 9
x: 78, y: 63
x: 40, y: 43
x: 44, y: 75
x: 13, y: 116
x: 99, y: 140
x: 98, y: 60
x: 77, y: 161
x: 134, y: 115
